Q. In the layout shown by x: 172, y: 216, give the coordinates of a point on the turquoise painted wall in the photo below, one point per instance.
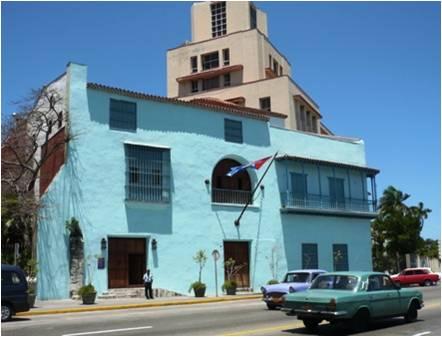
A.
x: 91, y: 187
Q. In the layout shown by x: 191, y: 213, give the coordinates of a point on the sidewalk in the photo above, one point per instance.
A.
x: 68, y: 305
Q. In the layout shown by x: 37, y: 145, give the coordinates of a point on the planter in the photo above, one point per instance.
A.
x: 89, y: 298
x: 199, y: 292
x: 231, y: 291
x: 31, y: 300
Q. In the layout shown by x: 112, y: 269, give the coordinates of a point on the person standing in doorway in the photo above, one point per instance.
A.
x: 148, y: 280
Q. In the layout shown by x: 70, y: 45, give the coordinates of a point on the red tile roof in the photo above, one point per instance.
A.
x: 206, y: 103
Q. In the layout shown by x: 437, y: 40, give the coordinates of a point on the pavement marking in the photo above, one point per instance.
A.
x: 422, y: 333
x: 106, y: 331
x: 248, y: 332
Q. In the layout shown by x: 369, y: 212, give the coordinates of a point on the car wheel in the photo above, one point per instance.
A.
x: 271, y: 306
x: 6, y: 312
x: 428, y: 283
x: 360, y: 321
x: 311, y: 324
x: 411, y: 314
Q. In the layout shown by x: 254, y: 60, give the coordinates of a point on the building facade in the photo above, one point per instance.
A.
x: 145, y: 176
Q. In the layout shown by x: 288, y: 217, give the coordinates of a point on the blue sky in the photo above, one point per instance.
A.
x: 374, y: 68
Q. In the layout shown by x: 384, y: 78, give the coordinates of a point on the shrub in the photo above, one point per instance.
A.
x: 86, y: 290
x: 273, y: 281
x: 197, y: 285
x: 229, y: 285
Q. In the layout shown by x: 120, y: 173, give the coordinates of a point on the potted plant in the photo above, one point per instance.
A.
x: 87, y: 294
x: 229, y: 286
x: 273, y: 281
x: 231, y: 269
x: 199, y: 288
x: 31, y: 271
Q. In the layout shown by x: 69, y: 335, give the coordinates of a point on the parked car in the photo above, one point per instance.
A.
x: 353, y: 298
x: 294, y: 281
x: 14, y: 291
x: 421, y: 276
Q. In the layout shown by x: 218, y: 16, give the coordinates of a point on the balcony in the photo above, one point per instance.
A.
x: 324, y: 204
x: 227, y: 196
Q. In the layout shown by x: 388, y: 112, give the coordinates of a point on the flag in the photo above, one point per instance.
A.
x: 253, y: 164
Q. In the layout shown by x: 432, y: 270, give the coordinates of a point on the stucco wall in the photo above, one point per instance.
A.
x: 91, y: 188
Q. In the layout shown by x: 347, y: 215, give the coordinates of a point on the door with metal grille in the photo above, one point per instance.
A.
x: 238, y: 251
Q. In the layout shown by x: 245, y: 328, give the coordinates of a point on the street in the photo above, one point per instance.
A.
x: 248, y: 317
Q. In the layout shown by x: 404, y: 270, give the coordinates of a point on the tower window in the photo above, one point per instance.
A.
x: 194, y: 86
x: 227, y: 80
x: 194, y: 64
x: 264, y: 103
x: 226, y: 56
x: 219, y: 24
x: 275, y: 67
x: 252, y: 17
x: 210, y: 60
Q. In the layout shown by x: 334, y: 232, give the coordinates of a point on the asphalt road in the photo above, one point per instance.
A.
x: 232, y: 318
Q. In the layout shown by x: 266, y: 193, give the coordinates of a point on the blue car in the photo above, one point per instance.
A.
x: 294, y: 281
x: 14, y: 291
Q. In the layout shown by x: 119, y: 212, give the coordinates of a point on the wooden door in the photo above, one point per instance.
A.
x: 127, y: 262
x: 239, y: 251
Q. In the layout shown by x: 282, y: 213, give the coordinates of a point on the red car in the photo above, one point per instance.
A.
x: 421, y: 276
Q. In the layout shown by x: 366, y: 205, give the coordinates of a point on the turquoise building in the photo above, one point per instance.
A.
x: 145, y: 176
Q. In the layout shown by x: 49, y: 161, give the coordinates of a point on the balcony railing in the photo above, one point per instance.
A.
x: 226, y: 196
x: 325, y: 202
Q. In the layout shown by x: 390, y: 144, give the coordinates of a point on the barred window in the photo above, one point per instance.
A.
x: 309, y: 256
x: 233, y: 131
x: 340, y: 257
x: 123, y: 115
x: 147, y: 173
x: 219, y: 24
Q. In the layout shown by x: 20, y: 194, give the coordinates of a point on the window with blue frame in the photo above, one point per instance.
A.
x: 340, y: 257
x: 123, y: 115
x: 147, y: 173
x: 309, y: 256
x: 233, y: 131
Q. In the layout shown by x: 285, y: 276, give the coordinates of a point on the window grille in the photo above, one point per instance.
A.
x: 147, y: 174
x: 211, y: 83
x: 233, y: 131
x: 309, y: 256
x: 265, y: 103
x: 219, y: 24
x: 123, y: 115
x: 340, y: 257
x: 210, y: 61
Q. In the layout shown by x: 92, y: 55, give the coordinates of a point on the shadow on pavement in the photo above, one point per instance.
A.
x: 17, y: 319
x: 340, y: 330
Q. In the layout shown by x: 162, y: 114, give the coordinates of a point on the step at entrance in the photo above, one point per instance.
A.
x: 135, y: 292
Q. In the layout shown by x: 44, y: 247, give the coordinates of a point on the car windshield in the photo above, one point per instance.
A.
x: 337, y: 282
x: 296, y: 277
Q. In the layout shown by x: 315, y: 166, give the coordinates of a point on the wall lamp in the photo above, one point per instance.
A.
x: 154, y: 244
x: 207, y: 181
x: 103, y: 244
x: 261, y: 187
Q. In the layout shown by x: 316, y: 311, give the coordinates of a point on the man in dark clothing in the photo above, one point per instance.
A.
x: 148, y: 279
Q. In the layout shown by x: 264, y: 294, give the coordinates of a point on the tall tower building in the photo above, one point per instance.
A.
x: 230, y: 58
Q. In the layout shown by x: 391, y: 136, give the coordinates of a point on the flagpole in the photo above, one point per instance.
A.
x: 236, y: 222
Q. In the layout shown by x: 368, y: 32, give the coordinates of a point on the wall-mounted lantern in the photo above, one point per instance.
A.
x: 154, y: 244
x: 103, y: 244
x: 261, y: 187
x: 207, y: 181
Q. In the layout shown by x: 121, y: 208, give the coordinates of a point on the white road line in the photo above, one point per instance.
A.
x: 422, y: 333
x: 106, y: 331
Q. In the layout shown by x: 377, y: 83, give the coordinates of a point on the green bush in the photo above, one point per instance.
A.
x: 229, y: 285
x: 86, y: 290
x: 197, y: 285
x: 273, y: 281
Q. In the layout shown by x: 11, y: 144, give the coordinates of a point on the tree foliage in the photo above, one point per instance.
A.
x: 396, y: 230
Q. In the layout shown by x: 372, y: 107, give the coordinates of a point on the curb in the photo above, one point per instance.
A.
x: 137, y: 305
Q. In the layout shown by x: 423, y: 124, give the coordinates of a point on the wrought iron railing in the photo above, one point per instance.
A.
x: 325, y: 202
x: 227, y: 196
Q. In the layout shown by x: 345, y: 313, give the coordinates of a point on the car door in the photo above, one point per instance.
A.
x: 383, y: 296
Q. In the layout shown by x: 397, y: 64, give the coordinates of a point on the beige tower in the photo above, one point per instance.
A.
x: 231, y: 58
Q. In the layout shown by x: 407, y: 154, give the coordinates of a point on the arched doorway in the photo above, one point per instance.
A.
x: 230, y: 190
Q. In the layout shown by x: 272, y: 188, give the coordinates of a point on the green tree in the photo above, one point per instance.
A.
x: 396, y: 230
x: 430, y: 248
